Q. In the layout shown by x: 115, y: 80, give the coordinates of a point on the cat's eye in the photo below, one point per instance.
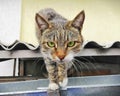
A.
x: 51, y: 44
x: 71, y: 44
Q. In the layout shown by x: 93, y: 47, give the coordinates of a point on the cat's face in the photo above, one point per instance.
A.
x: 60, y: 45
x: 60, y: 41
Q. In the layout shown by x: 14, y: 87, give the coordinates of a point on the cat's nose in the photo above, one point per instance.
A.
x: 60, y: 54
x: 61, y: 57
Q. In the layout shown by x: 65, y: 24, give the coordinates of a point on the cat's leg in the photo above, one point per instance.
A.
x: 52, y: 73
x: 62, y: 75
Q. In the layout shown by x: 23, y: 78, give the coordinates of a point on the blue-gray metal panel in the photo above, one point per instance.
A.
x: 81, y: 86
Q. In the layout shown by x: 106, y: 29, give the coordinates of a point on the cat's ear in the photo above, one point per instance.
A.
x: 78, y: 20
x: 41, y: 22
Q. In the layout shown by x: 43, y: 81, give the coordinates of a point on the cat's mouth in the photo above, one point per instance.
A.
x: 60, y: 61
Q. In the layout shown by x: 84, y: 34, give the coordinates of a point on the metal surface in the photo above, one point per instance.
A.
x: 108, y: 85
x: 34, y: 54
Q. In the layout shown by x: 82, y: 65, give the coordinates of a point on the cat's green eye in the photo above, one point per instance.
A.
x: 51, y: 44
x: 71, y: 44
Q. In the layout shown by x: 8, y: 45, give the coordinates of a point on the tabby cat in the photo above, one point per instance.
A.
x: 60, y: 39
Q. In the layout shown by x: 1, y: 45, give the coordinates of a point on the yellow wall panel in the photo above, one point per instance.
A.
x: 102, y: 23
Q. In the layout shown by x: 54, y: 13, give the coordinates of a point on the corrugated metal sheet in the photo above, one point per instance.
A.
x: 93, y: 44
x: 18, y: 45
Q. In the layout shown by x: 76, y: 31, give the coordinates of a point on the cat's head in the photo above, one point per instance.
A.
x: 60, y: 40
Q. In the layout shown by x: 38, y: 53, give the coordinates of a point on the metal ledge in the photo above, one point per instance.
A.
x: 77, y: 86
x: 33, y: 54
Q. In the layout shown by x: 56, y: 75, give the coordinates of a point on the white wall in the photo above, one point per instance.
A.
x: 10, y: 13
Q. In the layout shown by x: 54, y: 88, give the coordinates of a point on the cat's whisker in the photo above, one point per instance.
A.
x: 79, y: 66
x: 93, y: 64
x: 35, y: 62
x: 90, y: 64
x: 82, y: 63
x: 75, y: 67
x: 92, y: 58
x: 94, y: 67
x: 42, y: 67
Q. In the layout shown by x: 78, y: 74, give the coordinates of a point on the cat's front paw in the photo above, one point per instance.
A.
x: 64, y: 83
x: 53, y: 86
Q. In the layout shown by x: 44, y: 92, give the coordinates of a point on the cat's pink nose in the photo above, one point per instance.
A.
x: 60, y: 54
x: 61, y: 57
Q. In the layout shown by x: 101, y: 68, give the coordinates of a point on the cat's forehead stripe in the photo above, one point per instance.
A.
x: 61, y: 35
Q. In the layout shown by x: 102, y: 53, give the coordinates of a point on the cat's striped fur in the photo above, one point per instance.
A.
x: 66, y: 40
